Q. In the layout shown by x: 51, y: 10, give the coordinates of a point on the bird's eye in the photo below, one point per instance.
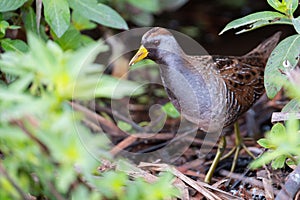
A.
x: 156, y: 42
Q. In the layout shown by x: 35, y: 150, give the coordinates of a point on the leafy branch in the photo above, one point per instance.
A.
x: 280, y: 72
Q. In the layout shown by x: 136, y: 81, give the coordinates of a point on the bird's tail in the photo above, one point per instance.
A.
x: 265, y: 48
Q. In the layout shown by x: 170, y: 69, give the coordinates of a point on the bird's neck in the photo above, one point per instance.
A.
x: 169, y: 57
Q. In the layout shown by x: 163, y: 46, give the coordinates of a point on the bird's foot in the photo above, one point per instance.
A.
x: 236, y: 150
x: 239, y: 144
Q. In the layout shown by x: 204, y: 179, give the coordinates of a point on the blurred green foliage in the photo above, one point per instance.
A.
x: 282, y: 141
x: 170, y: 110
x: 141, y: 12
x: 46, y: 152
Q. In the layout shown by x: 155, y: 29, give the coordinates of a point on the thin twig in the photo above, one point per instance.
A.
x: 164, y: 167
x: 122, y: 145
x: 21, y: 125
x: 55, y: 192
x: 38, y: 5
x: 108, y: 126
x: 94, y: 127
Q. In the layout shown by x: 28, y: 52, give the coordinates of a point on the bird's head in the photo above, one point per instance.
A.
x: 155, y: 43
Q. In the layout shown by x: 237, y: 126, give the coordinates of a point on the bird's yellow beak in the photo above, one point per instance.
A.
x: 140, y: 55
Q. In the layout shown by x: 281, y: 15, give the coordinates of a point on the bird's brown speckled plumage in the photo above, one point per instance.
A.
x: 236, y: 79
x: 244, y: 77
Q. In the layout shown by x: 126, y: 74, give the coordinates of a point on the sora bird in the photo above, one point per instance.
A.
x: 210, y: 91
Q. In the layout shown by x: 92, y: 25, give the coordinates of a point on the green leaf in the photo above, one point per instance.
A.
x: 296, y: 24
x: 110, y: 87
x: 57, y: 14
x: 99, y: 13
x: 66, y: 178
x: 29, y: 19
x: 111, y: 184
x: 292, y: 107
x: 172, y: 4
x: 17, y: 105
x: 257, y: 20
x: 291, y: 163
x: 277, y: 130
x: 81, y: 192
x: 124, y: 126
x: 291, y: 6
x: 22, y: 83
x: 3, y: 26
x: 104, y: 86
x: 86, y: 40
x: 8, y: 15
x: 146, y: 5
x: 265, y: 143
x: 8, y: 5
x: 287, y: 7
x: 83, y: 57
x: 12, y: 96
x: 42, y: 55
x: 170, y: 110
x: 265, y: 158
x: 14, y: 45
x: 13, y: 27
x: 277, y: 5
x: 81, y: 23
x: 292, y: 127
x: 71, y: 39
x: 279, y: 162
x: 286, y: 51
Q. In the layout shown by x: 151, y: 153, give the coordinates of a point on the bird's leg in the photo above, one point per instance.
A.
x: 238, y: 142
x: 220, y: 151
x: 221, y: 147
x: 238, y: 146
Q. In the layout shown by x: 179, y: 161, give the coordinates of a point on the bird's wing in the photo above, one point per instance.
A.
x: 244, y: 79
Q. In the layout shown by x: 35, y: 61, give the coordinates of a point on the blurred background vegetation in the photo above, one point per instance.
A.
x: 47, y: 66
